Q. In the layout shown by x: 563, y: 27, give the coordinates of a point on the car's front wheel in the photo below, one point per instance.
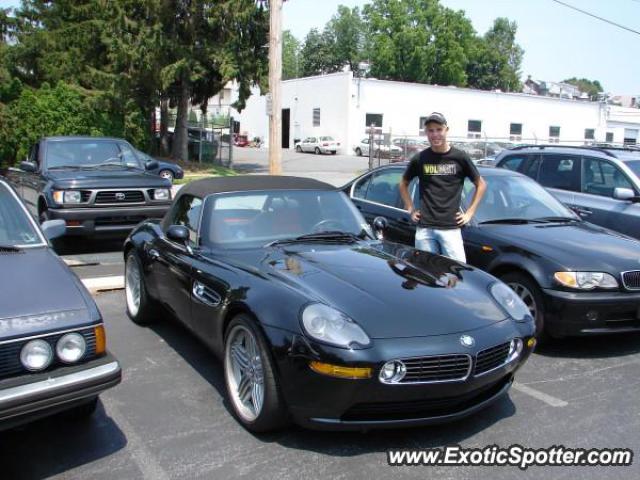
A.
x: 141, y: 308
x: 358, y: 152
x: 530, y: 293
x: 168, y: 174
x: 317, y: 151
x: 298, y: 149
x: 252, y: 386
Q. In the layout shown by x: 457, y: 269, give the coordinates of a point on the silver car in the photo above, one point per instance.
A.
x: 318, y: 145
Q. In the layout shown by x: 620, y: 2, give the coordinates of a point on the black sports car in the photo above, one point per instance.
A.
x: 317, y: 320
x: 576, y: 278
x: 53, y: 354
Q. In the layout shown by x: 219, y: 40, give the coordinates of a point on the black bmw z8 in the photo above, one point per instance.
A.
x: 315, y: 319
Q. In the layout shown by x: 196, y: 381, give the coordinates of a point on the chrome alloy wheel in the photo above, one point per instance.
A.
x: 526, y: 296
x: 244, y: 372
x: 132, y: 285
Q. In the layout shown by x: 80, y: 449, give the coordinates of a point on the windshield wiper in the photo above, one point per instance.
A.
x: 559, y: 219
x: 323, y: 237
x: 512, y: 221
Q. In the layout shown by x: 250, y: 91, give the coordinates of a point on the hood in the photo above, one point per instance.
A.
x: 106, y: 179
x: 576, y: 246
x: 388, y: 296
x: 40, y: 295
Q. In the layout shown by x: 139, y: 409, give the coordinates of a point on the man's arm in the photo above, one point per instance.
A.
x: 481, y: 187
x: 408, y: 201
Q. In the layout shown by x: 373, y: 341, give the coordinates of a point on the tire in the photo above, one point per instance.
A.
x: 141, y: 308
x: 529, y: 291
x: 333, y: 153
x: 317, y: 150
x: 298, y: 149
x: 358, y: 152
x: 265, y: 411
x: 168, y: 174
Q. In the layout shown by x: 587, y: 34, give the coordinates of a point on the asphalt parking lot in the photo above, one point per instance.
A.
x: 169, y: 418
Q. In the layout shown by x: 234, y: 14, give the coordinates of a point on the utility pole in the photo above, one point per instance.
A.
x: 275, y: 75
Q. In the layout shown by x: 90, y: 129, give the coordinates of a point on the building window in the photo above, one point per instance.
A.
x: 554, y: 134
x: 515, y: 129
x: 609, y: 137
x: 474, y: 126
x: 630, y: 136
x: 316, y: 117
x: 374, y: 119
x: 589, y: 134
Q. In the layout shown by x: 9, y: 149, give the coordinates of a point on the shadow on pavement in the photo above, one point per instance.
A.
x: 599, y: 346
x: 88, y: 245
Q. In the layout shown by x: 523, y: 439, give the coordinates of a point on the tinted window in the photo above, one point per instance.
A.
x: 513, y: 162
x: 360, y: 190
x: 384, y: 188
x: 600, y: 177
x: 186, y: 212
x: 560, y: 171
x: 531, y: 170
x: 15, y: 227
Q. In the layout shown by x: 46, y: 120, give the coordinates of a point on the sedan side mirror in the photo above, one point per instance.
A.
x: 620, y: 193
x: 380, y: 224
x: 151, y: 165
x: 178, y: 233
x: 28, y: 167
x: 53, y: 228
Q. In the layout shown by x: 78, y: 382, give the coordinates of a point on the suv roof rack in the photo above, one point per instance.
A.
x: 579, y: 147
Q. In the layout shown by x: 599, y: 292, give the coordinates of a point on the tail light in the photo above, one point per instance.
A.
x: 325, y: 144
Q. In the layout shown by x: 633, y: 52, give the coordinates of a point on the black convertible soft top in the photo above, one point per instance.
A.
x: 242, y: 183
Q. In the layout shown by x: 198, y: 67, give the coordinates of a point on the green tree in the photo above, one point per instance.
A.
x: 591, y: 87
x: 496, y: 59
x: 346, y: 31
x: 315, y: 54
x: 290, y: 56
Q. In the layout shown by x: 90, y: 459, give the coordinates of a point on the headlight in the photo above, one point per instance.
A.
x: 36, y: 355
x: 392, y: 372
x: 327, y: 324
x: 67, y: 196
x: 586, y: 280
x: 509, y: 301
x: 71, y: 347
x: 161, y: 194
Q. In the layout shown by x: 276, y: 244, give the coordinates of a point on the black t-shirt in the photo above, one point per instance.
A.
x: 441, y: 177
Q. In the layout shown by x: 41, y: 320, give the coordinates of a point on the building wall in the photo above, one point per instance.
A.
x: 623, y: 122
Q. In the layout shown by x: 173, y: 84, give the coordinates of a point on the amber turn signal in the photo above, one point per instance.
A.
x: 338, y: 371
x: 101, y: 339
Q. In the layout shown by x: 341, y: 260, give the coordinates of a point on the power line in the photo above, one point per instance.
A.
x: 597, y: 17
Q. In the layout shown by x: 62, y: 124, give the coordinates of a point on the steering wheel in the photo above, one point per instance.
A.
x: 323, y: 225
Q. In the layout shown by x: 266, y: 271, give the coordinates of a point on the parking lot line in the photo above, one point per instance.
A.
x: 102, y: 284
x: 548, y: 399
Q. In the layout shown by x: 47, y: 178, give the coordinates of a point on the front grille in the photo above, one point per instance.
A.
x: 491, y: 358
x: 85, y: 196
x: 424, y: 408
x: 130, y: 196
x: 437, y: 368
x: 10, y: 353
x: 631, y: 280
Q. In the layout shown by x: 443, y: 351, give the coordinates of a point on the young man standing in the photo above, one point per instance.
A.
x: 441, y: 170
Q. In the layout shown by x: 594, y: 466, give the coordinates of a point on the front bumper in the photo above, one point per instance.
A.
x: 32, y: 396
x: 94, y: 221
x: 322, y: 402
x: 586, y: 313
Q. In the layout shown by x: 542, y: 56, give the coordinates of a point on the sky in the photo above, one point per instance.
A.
x: 559, y: 43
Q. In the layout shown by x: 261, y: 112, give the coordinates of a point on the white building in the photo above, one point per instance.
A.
x: 343, y: 106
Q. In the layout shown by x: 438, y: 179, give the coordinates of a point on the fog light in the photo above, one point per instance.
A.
x: 515, y: 349
x: 71, y: 347
x: 592, y: 315
x: 36, y: 355
x: 531, y: 342
x: 339, y: 371
x: 392, y: 372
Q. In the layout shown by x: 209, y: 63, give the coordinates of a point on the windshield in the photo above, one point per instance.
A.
x: 514, y: 197
x: 253, y: 219
x: 89, y: 154
x: 15, y: 227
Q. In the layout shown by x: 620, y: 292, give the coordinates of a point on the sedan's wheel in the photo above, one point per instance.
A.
x: 168, y: 174
x: 140, y: 307
x: 298, y: 149
x: 358, y: 152
x: 530, y: 294
x: 317, y: 151
x: 250, y: 378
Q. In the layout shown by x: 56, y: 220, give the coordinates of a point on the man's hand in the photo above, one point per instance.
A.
x: 463, y: 218
x: 415, y: 215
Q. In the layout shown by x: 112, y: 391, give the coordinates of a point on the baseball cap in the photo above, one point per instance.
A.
x: 436, y: 117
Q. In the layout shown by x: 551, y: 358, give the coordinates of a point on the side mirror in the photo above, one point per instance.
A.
x: 178, y: 233
x: 28, y: 167
x: 380, y: 224
x: 620, y: 193
x: 53, y: 228
x: 151, y: 165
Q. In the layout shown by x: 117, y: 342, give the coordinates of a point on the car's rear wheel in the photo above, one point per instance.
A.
x: 250, y: 378
x: 141, y: 309
x: 530, y: 294
x: 317, y: 151
x: 298, y: 149
x: 358, y: 152
x: 168, y: 174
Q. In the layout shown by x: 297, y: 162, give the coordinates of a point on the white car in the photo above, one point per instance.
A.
x: 318, y: 145
x: 386, y: 151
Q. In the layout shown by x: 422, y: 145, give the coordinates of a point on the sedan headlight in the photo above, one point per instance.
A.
x: 586, y: 280
x: 161, y: 194
x: 509, y: 301
x: 71, y: 347
x: 327, y: 324
x: 67, y: 196
x: 36, y: 355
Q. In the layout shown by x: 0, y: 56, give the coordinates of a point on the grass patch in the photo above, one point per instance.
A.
x: 202, y: 171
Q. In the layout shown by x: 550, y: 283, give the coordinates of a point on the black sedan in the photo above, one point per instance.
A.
x: 314, y: 318
x: 575, y: 277
x: 53, y: 353
x: 169, y: 170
